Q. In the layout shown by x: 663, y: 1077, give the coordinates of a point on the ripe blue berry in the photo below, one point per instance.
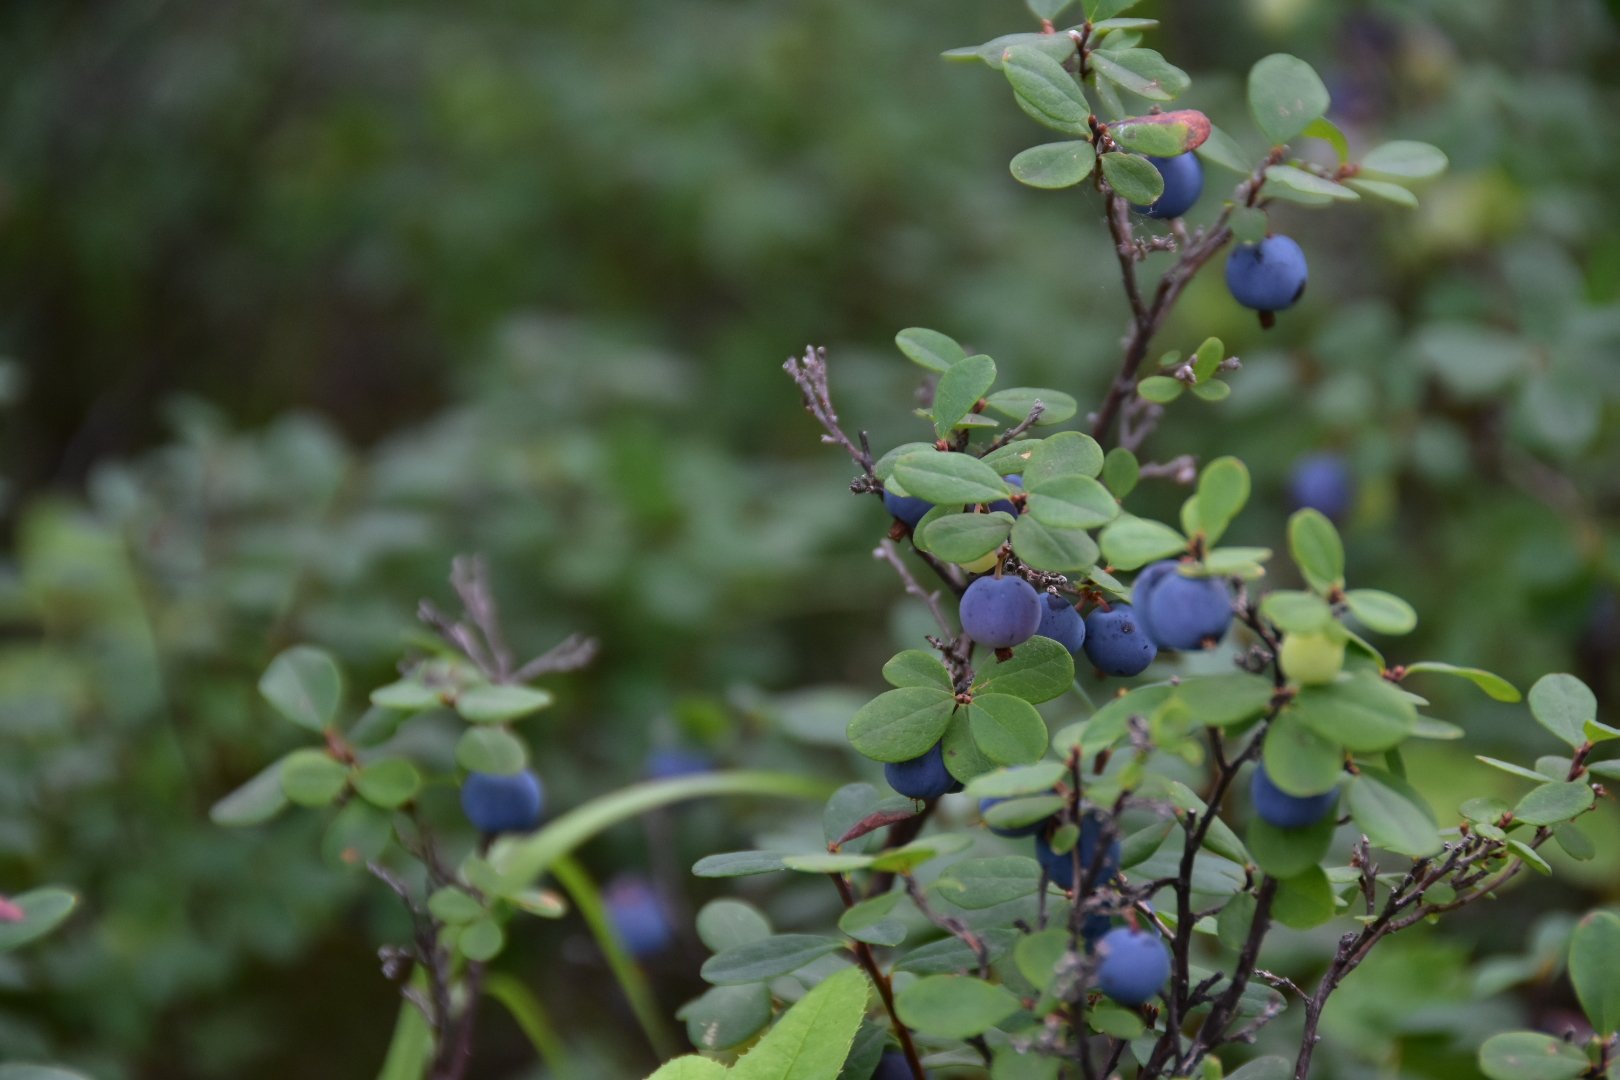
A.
x: 892, y: 1066
x: 637, y: 915
x: 1183, y: 183
x: 1060, y: 868
x: 1134, y: 966
x: 1001, y: 612
x: 1095, y: 927
x: 1281, y: 810
x: 1268, y: 276
x: 1322, y: 482
x: 1115, y: 644
x: 922, y: 777
x: 497, y: 804
x: 1061, y: 623
x: 908, y: 508
x: 668, y: 762
x: 1005, y: 505
x: 1180, y: 612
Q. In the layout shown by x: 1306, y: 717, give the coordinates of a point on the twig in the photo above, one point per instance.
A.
x: 954, y: 927
x: 1182, y: 469
x: 810, y: 375
x: 1022, y: 426
x: 863, y: 953
x: 570, y: 654
x: 887, y: 552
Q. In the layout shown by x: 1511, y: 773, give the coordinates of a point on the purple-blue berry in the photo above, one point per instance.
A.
x: 1281, y: 810
x: 908, y: 508
x: 497, y: 804
x: 1322, y: 482
x: 1060, y: 867
x: 1268, y: 276
x: 1115, y: 644
x: 1001, y: 612
x: 1135, y: 964
x: 1180, y: 612
x: 1005, y: 505
x: 1061, y: 623
x: 922, y: 777
x: 668, y: 762
x: 892, y: 1066
x: 1183, y: 183
x: 638, y: 915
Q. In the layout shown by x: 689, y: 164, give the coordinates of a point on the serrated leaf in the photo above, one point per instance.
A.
x: 930, y: 349
x: 949, y: 478
x: 1007, y: 729
x: 1133, y: 178
x: 1052, y: 166
x: 1285, y: 96
x: 1131, y: 542
x: 1057, y: 550
x: 954, y: 1006
x: 304, y: 685
x: 901, y: 724
x: 812, y: 1039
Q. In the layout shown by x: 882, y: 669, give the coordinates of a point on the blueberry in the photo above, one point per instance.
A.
x: 1001, y: 612
x: 1061, y: 623
x: 1183, y: 183
x: 1095, y: 928
x: 637, y: 915
x: 667, y: 762
x: 1115, y: 644
x: 908, y: 508
x: 922, y: 777
x: 1322, y: 482
x: 892, y: 1066
x: 1179, y: 612
x: 497, y: 804
x: 1268, y: 276
x: 1005, y: 505
x: 1060, y: 868
x: 1134, y: 966
x: 1281, y: 810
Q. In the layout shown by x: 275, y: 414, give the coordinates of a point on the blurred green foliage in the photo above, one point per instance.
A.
x: 305, y: 298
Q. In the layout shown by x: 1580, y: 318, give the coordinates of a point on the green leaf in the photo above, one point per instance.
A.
x: 954, y: 954
x: 1141, y: 845
x: 1220, y: 838
x: 1429, y: 728
x: 1364, y: 712
x: 1530, y: 1055
x: 738, y: 864
x: 767, y: 958
x: 1563, y: 704
x: 1016, y: 403
x: 959, y: 390
x: 811, y: 1041
x: 929, y: 348
x: 901, y: 724
x: 1131, y: 542
x: 916, y: 668
x: 1047, y: 9
x: 1223, y: 700
x: 1296, y: 612
x: 868, y: 921
x: 491, y: 750
x: 1038, y: 954
x: 884, y: 468
x: 870, y: 1042
x: 1285, y: 96
x: 1052, y: 166
x: 1304, y: 901
x: 723, y: 1017
x: 1167, y: 134
x: 725, y: 924
x: 975, y: 884
x: 1317, y: 549
x: 1099, y: 11
x: 1285, y: 853
x: 1298, y: 760
x: 1077, y: 129
x: 954, y: 1006
x: 1555, y: 802
x: 1405, y: 160
x: 1220, y: 149
x: 1044, y: 84
x: 949, y: 478
x: 43, y: 911
x: 919, y: 533
x: 1391, y: 193
x: 1576, y: 844
x: 1250, y: 225
x: 255, y: 802
x: 963, y: 538
x: 1058, y: 46
x: 826, y: 862
x: 1208, y: 357
x: 1392, y: 814
x: 1133, y: 178
x: 311, y: 778
x: 1594, y: 969
x: 455, y: 906
x: 1071, y: 502
x: 1013, y: 813
x: 693, y: 1066
x: 1068, y: 453
x: 963, y: 758
x: 1292, y: 179
x: 481, y: 941
x: 409, y: 695
x: 1143, y: 72
x: 499, y: 704
x: 1223, y: 488
x: 1012, y: 458
x: 1509, y: 767
x: 19, y: 1071
x: 1024, y: 780
x: 1472, y: 360
x: 1121, y: 471
x: 1494, y: 685
x: 1039, y: 670
x: 1007, y: 729
x: 389, y: 783
x: 1381, y: 612
x: 1161, y: 389
x: 1112, y: 1020
x: 1232, y: 924
x: 358, y: 835
x: 304, y: 685
x: 1531, y: 858
x: 1057, y: 550
x: 1323, y: 128
x: 906, y: 858
x: 1213, y: 390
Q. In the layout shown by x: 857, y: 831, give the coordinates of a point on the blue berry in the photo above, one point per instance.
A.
x: 1060, y: 868
x: 908, y: 508
x: 1134, y: 966
x: 922, y: 777
x: 1183, y: 183
x: 1061, y: 623
x: 637, y: 915
x: 1322, y: 482
x: 1095, y: 928
x: 1268, y: 276
x: 668, y: 762
x: 1001, y: 612
x: 497, y: 804
x: 1005, y: 505
x: 1179, y: 612
x: 892, y: 1066
x: 1281, y: 810
x: 1115, y: 644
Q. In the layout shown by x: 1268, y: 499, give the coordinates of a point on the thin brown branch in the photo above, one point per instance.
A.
x: 1022, y: 426
x: 888, y: 553
x: 863, y: 953
x: 810, y: 375
x: 955, y: 927
x: 570, y: 654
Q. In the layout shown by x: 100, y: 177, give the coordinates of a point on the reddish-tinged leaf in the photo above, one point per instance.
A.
x: 873, y: 821
x: 1162, y: 134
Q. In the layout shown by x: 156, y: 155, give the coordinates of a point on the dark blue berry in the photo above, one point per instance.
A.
x: 1094, y: 928
x: 497, y: 804
x: 1060, y: 868
x: 668, y: 762
x: 908, y: 508
x: 1001, y: 612
x: 1135, y: 964
x: 1115, y: 644
x: 637, y: 915
x: 1281, y: 810
x: 1183, y: 183
x: 1061, y: 623
x: 1005, y: 505
x: 1180, y: 612
x: 892, y: 1066
x: 1268, y: 276
x: 922, y: 777
x: 1322, y: 482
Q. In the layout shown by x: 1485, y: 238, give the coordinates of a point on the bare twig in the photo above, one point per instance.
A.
x: 955, y: 927
x: 1182, y: 469
x: 863, y: 953
x: 810, y: 375
x: 1022, y: 426
x: 887, y: 552
x: 570, y: 654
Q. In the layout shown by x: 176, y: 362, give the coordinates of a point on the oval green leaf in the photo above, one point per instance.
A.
x: 491, y: 750
x: 1133, y: 178
x: 1054, y: 165
x: 901, y: 724
x: 1285, y: 96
